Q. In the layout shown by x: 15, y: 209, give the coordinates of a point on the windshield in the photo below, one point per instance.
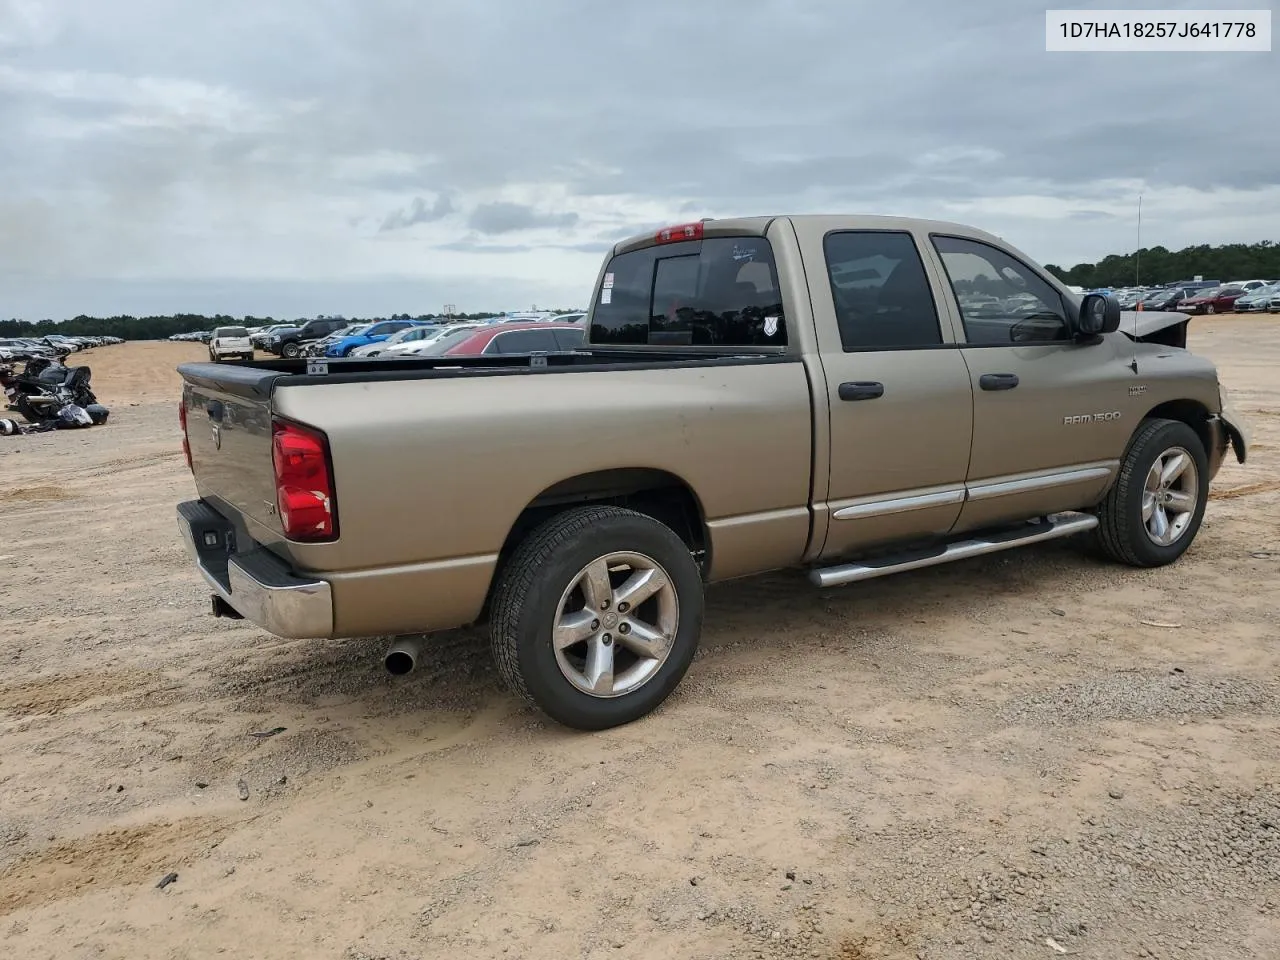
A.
x: 230, y: 332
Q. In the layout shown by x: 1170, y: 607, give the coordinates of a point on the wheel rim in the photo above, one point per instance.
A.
x: 615, y: 624
x: 1170, y: 496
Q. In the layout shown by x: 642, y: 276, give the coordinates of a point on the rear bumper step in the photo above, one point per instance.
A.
x: 1060, y: 525
x: 256, y: 584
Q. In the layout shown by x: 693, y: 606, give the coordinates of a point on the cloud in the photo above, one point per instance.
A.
x: 237, y: 149
x: 418, y: 212
x: 505, y: 217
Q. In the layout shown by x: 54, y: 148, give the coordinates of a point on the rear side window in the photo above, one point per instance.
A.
x: 569, y: 339
x: 522, y: 341
x: 721, y: 291
x: 881, y: 293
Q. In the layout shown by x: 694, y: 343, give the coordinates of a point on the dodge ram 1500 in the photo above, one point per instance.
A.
x: 852, y: 395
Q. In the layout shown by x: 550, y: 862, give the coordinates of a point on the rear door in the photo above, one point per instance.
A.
x: 1050, y: 415
x: 898, y: 393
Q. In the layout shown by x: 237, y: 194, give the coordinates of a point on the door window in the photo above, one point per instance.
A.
x: 1001, y: 299
x: 881, y: 293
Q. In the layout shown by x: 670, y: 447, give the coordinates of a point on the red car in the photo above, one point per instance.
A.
x: 508, y: 338
x: 1217, y: 300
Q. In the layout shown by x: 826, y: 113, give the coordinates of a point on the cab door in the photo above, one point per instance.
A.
x: 1051, y: 416
x: 898, y: 393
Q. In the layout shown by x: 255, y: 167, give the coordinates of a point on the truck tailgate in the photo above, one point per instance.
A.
x: 228, y: 411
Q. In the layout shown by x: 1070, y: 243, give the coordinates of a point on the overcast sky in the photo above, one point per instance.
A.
x: 294, y: 157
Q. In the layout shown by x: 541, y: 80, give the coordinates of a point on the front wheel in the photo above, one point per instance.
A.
x: 597, y: 616
x: 1153, y: 512
x: 291, y: 350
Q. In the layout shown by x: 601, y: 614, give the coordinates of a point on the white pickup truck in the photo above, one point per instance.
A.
x: 230, y: 343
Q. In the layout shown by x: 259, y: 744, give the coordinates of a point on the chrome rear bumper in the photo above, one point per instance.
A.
x: 257, y: 584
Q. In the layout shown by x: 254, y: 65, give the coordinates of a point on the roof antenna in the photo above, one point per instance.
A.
x: 1137, y: 268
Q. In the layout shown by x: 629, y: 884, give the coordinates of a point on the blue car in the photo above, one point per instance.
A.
x: 373, y: 334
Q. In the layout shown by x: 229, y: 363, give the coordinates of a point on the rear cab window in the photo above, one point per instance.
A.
x: 714, y: 292
x: 230, y: 333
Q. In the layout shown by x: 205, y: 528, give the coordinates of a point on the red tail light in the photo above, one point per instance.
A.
x: 304, y: 483
x: 186, y: 444
x: 680, y: 233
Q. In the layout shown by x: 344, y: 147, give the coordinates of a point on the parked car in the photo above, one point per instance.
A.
x: 736, y: 411
x: 374, y: 333
x: 230, y: 343
x: 317, y: 348
x: 261, y: 338
x: 420, y: 333
x: 1258, y: 299
x: 535, y: 336
x: 1216, y: 300
x: 1165, y: 299
x: 289, y: 342
x: 432, y: 344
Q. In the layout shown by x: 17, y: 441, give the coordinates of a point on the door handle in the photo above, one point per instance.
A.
x: 861, y: 390
x: 998, y: 381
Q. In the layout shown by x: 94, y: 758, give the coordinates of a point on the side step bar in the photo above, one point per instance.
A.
x: 1051, y: 528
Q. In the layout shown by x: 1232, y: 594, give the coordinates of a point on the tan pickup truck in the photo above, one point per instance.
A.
x: 856, y: 396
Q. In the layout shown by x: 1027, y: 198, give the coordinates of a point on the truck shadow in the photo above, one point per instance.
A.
x: 455, y: 673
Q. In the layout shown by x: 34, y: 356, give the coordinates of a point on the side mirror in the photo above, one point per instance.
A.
x: 1099, y: 314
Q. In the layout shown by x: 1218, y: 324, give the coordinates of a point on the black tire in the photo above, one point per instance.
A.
x: 1121, y: 533
x: 528, y: 593
x: 291, y: 350
x: 23, y: 406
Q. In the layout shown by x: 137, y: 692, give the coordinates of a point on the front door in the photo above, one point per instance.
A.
x: 1050, y: 415
x: 898, y: 392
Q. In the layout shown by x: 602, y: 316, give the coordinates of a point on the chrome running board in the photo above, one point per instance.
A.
x: 1050, y: 528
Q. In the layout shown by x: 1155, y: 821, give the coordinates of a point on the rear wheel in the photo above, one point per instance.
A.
x: 291, y: 350
x: 1154, y: 511
x: 597, y: 616
x: 30, y: 413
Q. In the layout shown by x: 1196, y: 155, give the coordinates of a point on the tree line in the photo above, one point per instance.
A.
x: 1155, y: 265
x: 158, y: 328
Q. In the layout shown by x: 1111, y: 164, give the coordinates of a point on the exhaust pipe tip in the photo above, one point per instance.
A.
x: 402, y: 657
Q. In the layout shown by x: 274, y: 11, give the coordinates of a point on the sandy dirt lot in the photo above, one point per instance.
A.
x: 1029, y: 755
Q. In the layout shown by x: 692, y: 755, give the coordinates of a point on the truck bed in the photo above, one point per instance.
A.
x: 255, y: 379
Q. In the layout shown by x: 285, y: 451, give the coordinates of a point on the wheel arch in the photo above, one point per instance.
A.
x: 654, y: 492
x: 1191, y: 412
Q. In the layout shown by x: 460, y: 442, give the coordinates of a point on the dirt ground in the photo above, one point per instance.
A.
x: 1029, y: 755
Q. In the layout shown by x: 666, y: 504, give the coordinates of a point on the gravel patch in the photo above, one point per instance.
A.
x: 1139, y: 695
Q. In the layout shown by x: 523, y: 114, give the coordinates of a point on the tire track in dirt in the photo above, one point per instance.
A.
x: 113, y: 858
x: 1248, y: 490
x: 53, y: 695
